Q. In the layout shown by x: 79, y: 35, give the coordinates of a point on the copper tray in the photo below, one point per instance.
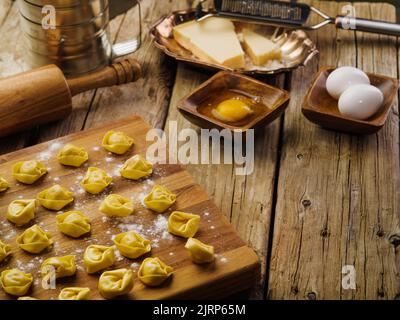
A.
x: 296, y: 46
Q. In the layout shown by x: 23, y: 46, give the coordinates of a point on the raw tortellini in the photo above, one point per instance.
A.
x: 5, y: 251
x: 97, y: 257
x: 34, y: 240
x: 159, y: 199
x: 132, y: 245
x: 27, y: 298
x: 136, y: 168
x: 199, y: 252
x: 59, y: 267
x: 154, y: 272
x: 15, y: 282
x: 183, y: 224
x: 21, y: 211
x: 73, y: 223
x: 28, y: 172
x: 73, y: 156
x: 55, y: 198
x: 116, y: 205
x: 95, y: 180
x: 4, y: 185
x: 115, y: 283
x: 117, y: 142
x: 74, y: 293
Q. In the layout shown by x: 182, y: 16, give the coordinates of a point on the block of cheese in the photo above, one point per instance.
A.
x: 212, y: 40
x: 260, y: 48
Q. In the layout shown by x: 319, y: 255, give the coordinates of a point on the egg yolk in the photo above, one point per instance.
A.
x: 231, y: 110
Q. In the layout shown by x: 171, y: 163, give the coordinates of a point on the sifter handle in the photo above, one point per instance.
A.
x: 373, y: 26
x: 121, y: 72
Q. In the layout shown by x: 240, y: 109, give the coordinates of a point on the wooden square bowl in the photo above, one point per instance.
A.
x: 268, y: 102
x: 320, y: 108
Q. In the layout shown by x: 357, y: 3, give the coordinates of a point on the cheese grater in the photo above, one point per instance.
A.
x: 289, y: 15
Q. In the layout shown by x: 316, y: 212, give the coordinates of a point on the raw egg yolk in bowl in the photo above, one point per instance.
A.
x: 231, y: 110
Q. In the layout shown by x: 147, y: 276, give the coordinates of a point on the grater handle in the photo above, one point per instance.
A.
x: 365, y: 25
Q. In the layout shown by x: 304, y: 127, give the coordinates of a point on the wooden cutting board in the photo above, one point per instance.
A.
x: 236, y: 266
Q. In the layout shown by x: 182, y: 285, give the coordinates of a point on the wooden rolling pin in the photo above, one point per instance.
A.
x: 43, y: 95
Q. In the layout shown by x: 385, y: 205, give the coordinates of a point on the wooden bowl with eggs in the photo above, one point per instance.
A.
x: 322, y: 109
x: 233, y: 101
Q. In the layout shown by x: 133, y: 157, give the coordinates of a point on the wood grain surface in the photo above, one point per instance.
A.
x: 319, y: 199
x: 236, y: 266
x: 246, y: 200
x: 342, y: 204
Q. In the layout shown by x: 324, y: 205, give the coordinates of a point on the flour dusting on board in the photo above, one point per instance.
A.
x: 135, y: 265
x: 223, y: 260
x: 47, y: 154
x: 117, y: 169
x: 157, y: 231
x: 9, y: 235
x: 118, y: 256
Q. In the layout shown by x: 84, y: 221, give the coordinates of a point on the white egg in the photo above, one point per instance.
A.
x: 360, y: 101
x: 342, y: 78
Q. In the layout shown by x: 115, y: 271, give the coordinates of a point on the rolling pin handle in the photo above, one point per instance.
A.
x: 125, y: 71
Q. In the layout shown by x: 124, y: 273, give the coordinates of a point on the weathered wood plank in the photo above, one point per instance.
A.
x: 5, y: 7
x: 11, y: 62
x: 11, y: 49
x: 149, y: 97
x: 338, y: 199
x: 245, y: 200
x: 378, y: 172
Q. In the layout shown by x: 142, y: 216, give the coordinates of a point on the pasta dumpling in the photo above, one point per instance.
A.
x: 132, y: 245
x: 183, y: 224
x: 136, y: 168
x: 27, y: 298
x: 55, y: 198
x: 95, y: 180
x: 28, y: 172
x: 5, y: 251
x: 59, y: 267
x: 73, y: 223
x: 117, y: 142
x: 4, y: 185
x: 153, y: 272
x: 116, y: 205
x: 115, y: 283
x: 159, y: 199
x: 73, y: 156
x: 34, y: 240
x: 199, y: 252
x: 97, y: 257
x: 21, y: 211
x: 15, y: 282
x: 74, y: 293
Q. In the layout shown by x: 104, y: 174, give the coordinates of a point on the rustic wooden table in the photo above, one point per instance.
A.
x: 317, y: 201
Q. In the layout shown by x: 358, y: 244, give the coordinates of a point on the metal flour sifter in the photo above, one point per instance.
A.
x: 79, y: 42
